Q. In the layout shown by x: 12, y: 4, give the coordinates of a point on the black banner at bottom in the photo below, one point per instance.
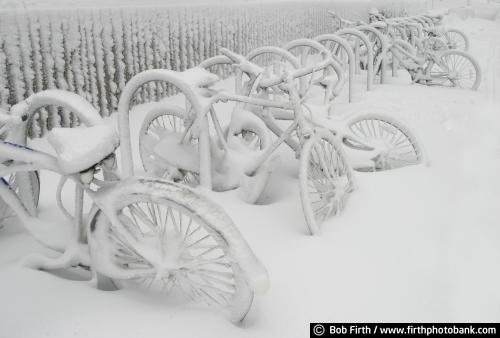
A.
x: 403, y: 329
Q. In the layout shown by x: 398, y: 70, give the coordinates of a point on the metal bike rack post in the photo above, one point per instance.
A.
x: 321, y: 49
x: 361, y: 36
x: 126, y: 96
x: 381, y: 59
x: 350, y: 56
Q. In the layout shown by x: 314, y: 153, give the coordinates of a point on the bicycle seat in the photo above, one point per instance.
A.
x: 78, y: 149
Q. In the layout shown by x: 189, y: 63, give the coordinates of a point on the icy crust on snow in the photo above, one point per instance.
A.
x: 211, y: 214
x: 78, y: 149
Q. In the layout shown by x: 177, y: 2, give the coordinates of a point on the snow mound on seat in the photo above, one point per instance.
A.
x: 78, y: 149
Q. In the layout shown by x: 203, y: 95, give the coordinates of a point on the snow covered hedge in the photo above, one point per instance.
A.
x: 93, y: 52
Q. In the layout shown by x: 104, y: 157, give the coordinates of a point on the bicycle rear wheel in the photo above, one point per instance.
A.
x: 455, y: 69
x: 325, y: 179
x: 165, y: 240
x: 398, y: 146
x: 456, y: 39
x: 160, y: 122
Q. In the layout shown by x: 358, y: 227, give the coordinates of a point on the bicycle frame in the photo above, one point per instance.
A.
x: 303, y: 126
x: 202, y: 116
x: 201, y: 105
x: 420, y: 73
x: 413, y: 57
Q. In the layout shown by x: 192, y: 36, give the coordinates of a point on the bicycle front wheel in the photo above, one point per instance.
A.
x: 27, y: 187
x: 164, y: 242
x: 325, y: 179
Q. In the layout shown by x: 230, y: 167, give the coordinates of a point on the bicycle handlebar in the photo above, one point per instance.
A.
x: 242, y: 63
x: 7, y: 121
x: 5, y: 117
x: 274, y: 81
x: 255, y: 70
x: 236, y: 58
x: 346, y: 22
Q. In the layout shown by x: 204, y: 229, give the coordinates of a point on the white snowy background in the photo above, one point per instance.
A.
x: 415, y: 244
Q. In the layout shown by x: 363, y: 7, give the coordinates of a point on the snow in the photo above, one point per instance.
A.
x: 415, y: 244
x: 123, y: 3
x: 79, y: 148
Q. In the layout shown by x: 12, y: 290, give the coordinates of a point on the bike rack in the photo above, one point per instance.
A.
x: 306, y: 43
x: 276, y: 51
x: 421, y: 21
x: 126, y: 96
x: 392, y: 35
x: 350, y: 56
x: 381, y: 59
x: 224, y: 60
x: 361, y: 36
x: 315, y: 45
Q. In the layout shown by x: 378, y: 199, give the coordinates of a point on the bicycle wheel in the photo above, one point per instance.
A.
x: 397, y: 146
x: 27, y: 186
x: 456, y: 39
x: 455, y: 69
x: 160, y: 122
x: 166, y: 239
x: 325, y: 179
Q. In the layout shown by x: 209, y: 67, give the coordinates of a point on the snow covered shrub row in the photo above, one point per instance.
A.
x: 93, y: 52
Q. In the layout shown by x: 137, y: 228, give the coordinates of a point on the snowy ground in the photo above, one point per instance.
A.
x: 416, y: 244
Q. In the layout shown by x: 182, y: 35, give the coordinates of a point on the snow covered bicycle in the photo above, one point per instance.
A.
x: 176, y: 142
x: 413, y: 29
x: 140, y: 232
x: 418, y: 29
x: 427, y: 60
x: 432, y: 65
